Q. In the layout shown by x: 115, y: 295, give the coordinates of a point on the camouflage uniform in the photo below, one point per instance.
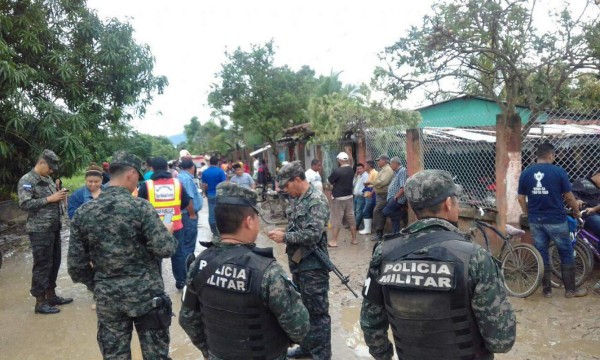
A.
x: 43, y: 225
x: 309, y: 216
x: 276, y: 291
x: 117, y: 242
x: 492, y: 310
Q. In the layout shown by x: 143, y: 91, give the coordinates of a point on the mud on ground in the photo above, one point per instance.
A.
x: 556, y: 328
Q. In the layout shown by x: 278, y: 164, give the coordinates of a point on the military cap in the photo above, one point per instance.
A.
x: 430, y: 187
x: 229, y: 193
x: 123, y: 158
x: 290, y: 171
x: 51, y: 159
x: 383, y: 157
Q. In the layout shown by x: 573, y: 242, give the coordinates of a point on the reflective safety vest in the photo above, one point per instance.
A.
x: 165, y: 196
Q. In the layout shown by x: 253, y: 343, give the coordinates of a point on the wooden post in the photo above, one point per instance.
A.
x: 361, y: 148
x: 508, y: 169
x: 414, y: 160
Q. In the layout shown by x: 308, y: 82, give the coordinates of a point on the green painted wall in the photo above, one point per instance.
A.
x: 464, y: 112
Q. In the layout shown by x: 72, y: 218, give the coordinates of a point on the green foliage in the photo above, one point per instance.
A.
x: 260, y: 97
x: 492, y: 48
x: 332, y: 116
x: 142, y: 145
x: 74, y: 182
x: 68, y: 81
x: 209, y: 137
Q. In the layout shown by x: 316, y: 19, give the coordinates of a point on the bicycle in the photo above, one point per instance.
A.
x: 262, y: 190
x: 583, y: 252
x: 521, y: 265
x: 274, y: 208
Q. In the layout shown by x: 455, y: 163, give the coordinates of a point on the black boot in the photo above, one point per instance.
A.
x: 42, y: 306
x: 378, y: 236
x: 568, y: 277
x: 546, y: 283
x: 298, y: 353
x: 54, y: 299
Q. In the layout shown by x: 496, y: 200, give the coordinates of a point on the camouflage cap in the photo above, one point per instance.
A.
x: 290, y: 171
x: 229, y: 193
x: 430, y: 187
x: 124, y: 158
x: 50, y: 158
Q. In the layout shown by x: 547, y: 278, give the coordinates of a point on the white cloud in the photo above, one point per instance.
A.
x: 189, y: 38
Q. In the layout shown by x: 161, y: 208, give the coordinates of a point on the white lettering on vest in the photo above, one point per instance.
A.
x: 425, y: 274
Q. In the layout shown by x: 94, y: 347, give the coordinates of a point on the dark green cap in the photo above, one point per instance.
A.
x: 290, y: 171
x: 123, y: 158
x: 51, y: 159
x: 430, y: 187
x: 229, y: 193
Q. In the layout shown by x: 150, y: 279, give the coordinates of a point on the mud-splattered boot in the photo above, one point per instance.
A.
x: 546, y: 283
x: 568, y: 277
x: 42, y: 306
x: 54, y: 299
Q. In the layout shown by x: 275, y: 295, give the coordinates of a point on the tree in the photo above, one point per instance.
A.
x: 492, y: 48
x: 68, y: 81
x: 332, y: 116
x: 260, y: 97
x: 208, y: 137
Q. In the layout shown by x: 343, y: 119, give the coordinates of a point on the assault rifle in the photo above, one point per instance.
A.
x: 325, y: 260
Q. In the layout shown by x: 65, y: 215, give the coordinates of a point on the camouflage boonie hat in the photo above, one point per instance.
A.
x: 290, y: 171
x: 229, y: 193
x: 124, y: 158
x: 51, y: 159
x: 430, y: 187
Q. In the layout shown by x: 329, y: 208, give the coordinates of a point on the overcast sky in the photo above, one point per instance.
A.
x: 189, y: 38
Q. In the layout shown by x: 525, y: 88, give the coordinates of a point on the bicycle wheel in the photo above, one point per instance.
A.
x: 581, y: 263
x: 267, y: 207
x: 522, y: 268
x: 585, y: 247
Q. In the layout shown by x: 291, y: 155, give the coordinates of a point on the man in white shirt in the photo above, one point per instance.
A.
x: 313, y: 176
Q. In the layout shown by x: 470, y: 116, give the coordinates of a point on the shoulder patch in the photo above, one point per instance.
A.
x: 27, y: 187
x: 418, y: 274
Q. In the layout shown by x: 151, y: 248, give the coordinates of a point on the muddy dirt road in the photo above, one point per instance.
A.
x: 554, y: 328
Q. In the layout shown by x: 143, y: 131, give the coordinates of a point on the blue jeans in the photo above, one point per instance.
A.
x: 559, y: 233
x: 393, y: 210
x: 368, y: 209
x: 359, y: 204
x: 178, y: 261
x: 592, y: 224
x: 212, y: 222
x: 186, y: 239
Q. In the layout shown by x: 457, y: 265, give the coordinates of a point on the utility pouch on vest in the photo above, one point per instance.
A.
x: 157, y: 318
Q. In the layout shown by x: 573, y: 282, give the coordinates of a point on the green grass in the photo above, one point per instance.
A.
x: 75, y: 182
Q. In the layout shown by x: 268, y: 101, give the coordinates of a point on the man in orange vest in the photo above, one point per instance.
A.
x: 168, y: 196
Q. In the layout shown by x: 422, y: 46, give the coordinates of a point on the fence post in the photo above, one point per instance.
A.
x: 361, y: 148
x: 508, y: 168
x: 414, y: 159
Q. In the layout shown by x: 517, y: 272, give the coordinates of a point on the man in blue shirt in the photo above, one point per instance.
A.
x: 542, y: 187
x: 212, y: 177
x: 190, y: 221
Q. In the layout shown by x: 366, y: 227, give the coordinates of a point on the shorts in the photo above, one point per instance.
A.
x: 342, y: 212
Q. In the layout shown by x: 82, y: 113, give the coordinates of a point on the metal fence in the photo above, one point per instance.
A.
x: 468, y: 152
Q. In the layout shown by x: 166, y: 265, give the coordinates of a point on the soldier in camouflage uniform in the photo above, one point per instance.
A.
x: 239, y: 303
x: 441, y: 293
x: 117, y: 242
x: 307, y: 228
x: 39, y: 197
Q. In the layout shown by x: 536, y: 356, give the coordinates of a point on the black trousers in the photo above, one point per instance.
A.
x: 46, y: 249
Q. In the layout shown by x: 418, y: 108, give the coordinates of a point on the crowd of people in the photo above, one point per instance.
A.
x: 441, y: 293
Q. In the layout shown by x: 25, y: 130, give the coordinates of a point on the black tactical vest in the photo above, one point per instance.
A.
x: 427, y: 298
x: 237, y: 323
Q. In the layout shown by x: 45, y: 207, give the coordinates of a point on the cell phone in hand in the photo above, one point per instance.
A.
x: 168, y: 218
